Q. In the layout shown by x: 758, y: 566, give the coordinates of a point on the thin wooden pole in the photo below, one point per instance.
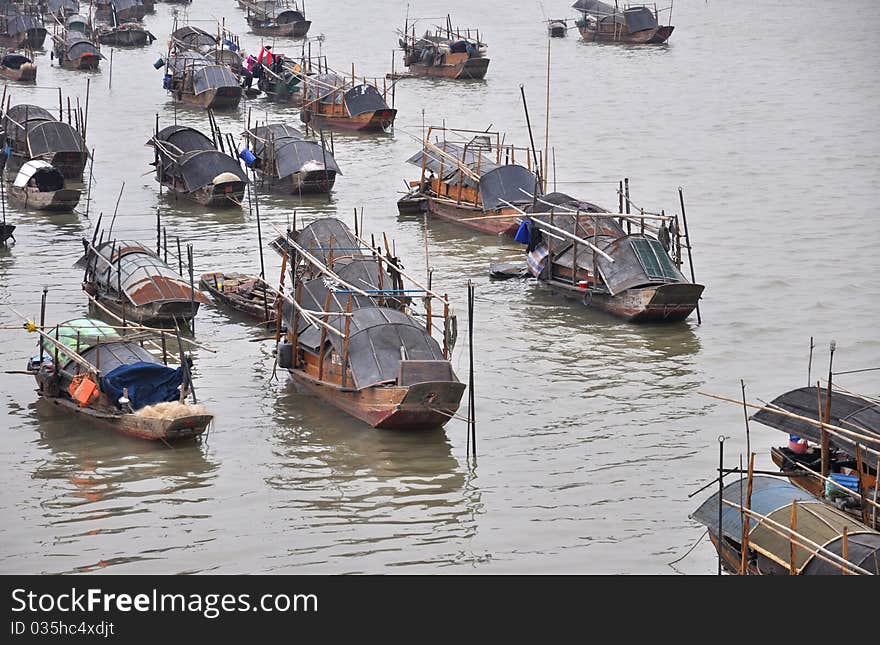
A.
x: 746, y: 416
x: 687, y: 239
x: 826, y: 445
x: 720, y: 500
x: 844, y: 550
x: 792, y: 569
x: 547, y: 119
x: 472, y: 417
x: 744, y: 565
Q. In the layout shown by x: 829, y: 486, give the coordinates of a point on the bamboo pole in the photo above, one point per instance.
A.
x: 744, y: 564
x: 792, y: 569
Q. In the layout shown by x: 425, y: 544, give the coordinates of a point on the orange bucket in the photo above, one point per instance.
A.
x: 83, y: 389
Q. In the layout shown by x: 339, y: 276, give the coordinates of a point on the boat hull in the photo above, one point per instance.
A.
x: 462, y: 214
x: 312, y: 182
x: 64, y: 200
x: 224, y: 98
x: 377, y: 121
x: 618, y: 36
x: 86, y: 62
x: 133, y: 37
x: 155, y: 313
x: 214, y: 196
x: 420, y: 406
x: 31, y: 39
x: 254, y: 308
x: 139, y: 427
x: 662, y: 35
x: 290, y: 30
x: 468, y: 68
x: 26, y: 73
x: 666, y: 303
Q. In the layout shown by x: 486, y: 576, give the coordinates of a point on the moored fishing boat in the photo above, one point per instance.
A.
x: 62, y: 8
x: 16, y: 66
x: 632, y: 24
x: 276, y: 19
x: 557, y: 28
x: 445, y: 52
x: 103, y: 373
x: 194, y: 79
x: 786, y: 531
x: 348, y: 103
x: 31, y: 132
x: 286, y: 161
x: 73, y: 49
x: 247, y: 294
x: 189, y: 164
x: 584, y: 252
x: 133, y: 282
x: 471, y: 178
x: 351, y: 338
x: 120, y: 11
x: 20, y: 30
x: 40, y: 186
x: 123, y: 34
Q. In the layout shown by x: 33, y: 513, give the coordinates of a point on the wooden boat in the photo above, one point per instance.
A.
x: 477, y: 183
x: 357, y: 347
x: 21, y: 31
x: 31, y: 132
x: 134, y: 283
x: 633, y: 24
x: 18, y: 67
x: 447, y: 52
x: 88, y: 368
x: 584, y: 252
x: 774, y: 548
x: 851, y: 464
x: 192, y: 38
x: 120, y: 11
x: 281, y: 82
x: 276, y: 19
x: 73, y: 48
x: 287, y: 162
x: 246, y: 294
x: 188, y: 163
x: 194, y: 79
x: 40, y: 186
x: 329, y: 100
x: 126, y: 34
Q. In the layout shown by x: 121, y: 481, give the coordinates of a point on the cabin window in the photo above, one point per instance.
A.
x: 655, y: 261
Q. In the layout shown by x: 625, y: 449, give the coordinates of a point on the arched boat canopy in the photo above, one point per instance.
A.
x: 184, y: 138
x: 298, y: 155
x: 200, y: 168
x: 193, y: 37
x: 81, y: 333
x: 364, y: 98
x: 49, y: 137
x: 212, y: 77
x: 46, y: 176
x: 79, y: 47
x: 288, y: 16
x: 14, y: 60
x: 638, y: 261
x: 506, y: 184
x: 76, y: 23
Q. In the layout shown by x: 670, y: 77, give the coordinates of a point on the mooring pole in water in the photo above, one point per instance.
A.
x: 43, y: 308
x: 810, y: 363
x: 110, y: 82
x: 165, y: 243
x: 826, y: 448
x: 532, y: 140
x: 720, y: 499
x: 687, y: 239
x: 324, y: 156
x: 259, y: 228
x: 746, y: 415
x: 179, y: 257
x: 192, y: 287
x: 158, y: 232
x: 472, y: 417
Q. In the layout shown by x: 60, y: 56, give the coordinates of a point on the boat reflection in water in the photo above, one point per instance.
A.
x: 104, y: 490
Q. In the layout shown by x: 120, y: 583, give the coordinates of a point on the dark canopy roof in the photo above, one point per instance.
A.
x: 316, y: 237
x: 277, y: 130
x: 324, y: 87
x: 112, y: 355
x: 185, y: 138
x: 507, y: 183
x: 14, y: 60
x: 849, y: 412
x: 376, y: 335
x: 19, y: 112
x: 863, y: 550
x: 77, y: 46
x: 295, y: 155
x: 551, y: 200
x: 76, y: 19
x: 194, y: 37
x: 364, y: 98
x: 464, y: 154
x: 212, y: 77
x: 288, y: 16
x: 639, y: 19
x: 54, y: 136
x: 200, y: 167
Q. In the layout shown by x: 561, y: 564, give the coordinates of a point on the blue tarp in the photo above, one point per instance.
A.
x: 147, y: 383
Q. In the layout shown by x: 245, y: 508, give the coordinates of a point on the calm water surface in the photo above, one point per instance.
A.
x: 591, y: 431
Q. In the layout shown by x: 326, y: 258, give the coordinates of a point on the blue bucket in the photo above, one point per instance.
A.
x: 248, y: 156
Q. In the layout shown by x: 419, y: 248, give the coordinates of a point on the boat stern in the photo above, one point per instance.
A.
x: 474, y: 68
